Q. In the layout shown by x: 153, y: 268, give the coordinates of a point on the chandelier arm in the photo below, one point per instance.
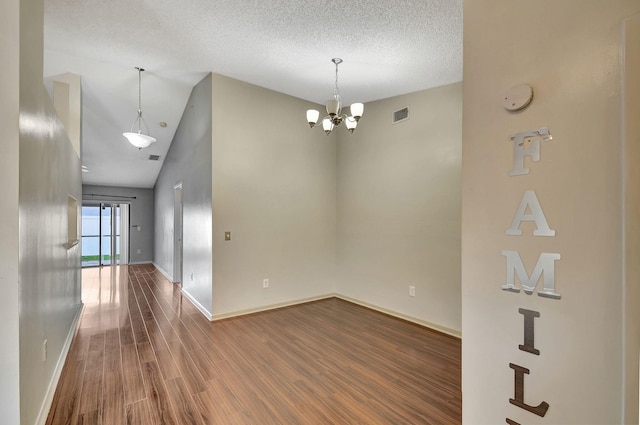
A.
x: 334, y: 108
x: 319, y: 123
x: 339, y: 118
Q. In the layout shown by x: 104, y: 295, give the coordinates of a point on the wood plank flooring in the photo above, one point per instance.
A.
x: 144, y: 355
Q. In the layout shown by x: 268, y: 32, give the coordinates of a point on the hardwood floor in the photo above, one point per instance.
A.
x: 144, y: 355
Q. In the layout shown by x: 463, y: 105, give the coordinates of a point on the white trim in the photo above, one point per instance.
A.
x: 269, y: 307
x: 161, y: 270
x: 53, y: 384
x: 424, y: 323
x: 138, y: 263
x: 197, y: 304
x: 258, y: 309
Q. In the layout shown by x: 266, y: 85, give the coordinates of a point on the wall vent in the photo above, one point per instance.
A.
x: 154, y: 157
x: 400, y: 115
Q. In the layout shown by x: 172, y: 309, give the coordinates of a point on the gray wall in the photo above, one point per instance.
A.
x: 140, y: 213
x: 188, y: 162
x: 39, y: 274
x: 9, y: 208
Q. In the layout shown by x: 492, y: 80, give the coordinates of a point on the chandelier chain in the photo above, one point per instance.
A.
x: 336, y: 92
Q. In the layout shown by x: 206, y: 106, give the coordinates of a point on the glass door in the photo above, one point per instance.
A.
x: 90, y: 235
x: 101, y: 235
x: 109, y: 234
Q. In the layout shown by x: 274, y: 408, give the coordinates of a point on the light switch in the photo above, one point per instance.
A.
x: 227, y: 236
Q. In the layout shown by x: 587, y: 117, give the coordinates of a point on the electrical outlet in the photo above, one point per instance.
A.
x: 44, y: 350
x: 265, y: 283
x: 191, y: 277
x: 138, y: 251
x: 412, y: 291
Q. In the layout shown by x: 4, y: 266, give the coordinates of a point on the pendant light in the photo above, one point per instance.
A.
x: 334, y: 109
x: 139, y: 140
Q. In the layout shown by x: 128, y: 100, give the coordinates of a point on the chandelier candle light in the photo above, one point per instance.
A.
x: 139, y: 139
x: 334, y: 109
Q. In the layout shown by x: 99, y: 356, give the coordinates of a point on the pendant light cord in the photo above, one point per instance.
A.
x: 140, y: 120
x: 139, y: 90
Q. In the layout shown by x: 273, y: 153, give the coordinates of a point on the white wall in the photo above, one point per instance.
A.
x: 399, y: 207
x: 570, y: 53
x: 274, y: 189
x: 9, y: 239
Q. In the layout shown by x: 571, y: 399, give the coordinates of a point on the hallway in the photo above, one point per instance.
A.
x: 144, y: 355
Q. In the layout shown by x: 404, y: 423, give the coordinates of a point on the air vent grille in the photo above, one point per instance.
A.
x: 154, y: 157
x: 400, y: 115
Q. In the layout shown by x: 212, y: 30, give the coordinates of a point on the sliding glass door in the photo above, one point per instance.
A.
x: 101, y: 234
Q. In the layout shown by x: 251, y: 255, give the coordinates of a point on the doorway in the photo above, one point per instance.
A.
x: 177, y: 234
x: 104, y: 230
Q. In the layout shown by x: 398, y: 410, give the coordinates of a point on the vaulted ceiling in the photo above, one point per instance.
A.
x: 389, y: 48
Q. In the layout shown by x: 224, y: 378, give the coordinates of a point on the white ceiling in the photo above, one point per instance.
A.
x: 389, y: 47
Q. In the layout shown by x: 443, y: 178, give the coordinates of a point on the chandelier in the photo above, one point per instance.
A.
x: 334, y: 111
x: 139, y: 139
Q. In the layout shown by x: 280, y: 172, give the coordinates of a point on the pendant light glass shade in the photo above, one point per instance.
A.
x: 327, y: 125
x: 139, y: 139
x: 351, y: 124
x: 333, y: 107
x: 356, y: 110
x: 312, y: 117
x: 334, y: 111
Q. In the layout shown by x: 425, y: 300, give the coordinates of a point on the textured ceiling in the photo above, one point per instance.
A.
x: 389, y: 48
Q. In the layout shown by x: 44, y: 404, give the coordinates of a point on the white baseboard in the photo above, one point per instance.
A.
x: 213, y: 317
x: 424, y: 323
x: 197, y: 304
x: 417, y: 321
x: 53, y: 384
x: 164, y: 273
x: 259, y: 309
x: 132, y: 263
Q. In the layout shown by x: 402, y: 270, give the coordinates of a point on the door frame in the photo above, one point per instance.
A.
x: 178, y: 234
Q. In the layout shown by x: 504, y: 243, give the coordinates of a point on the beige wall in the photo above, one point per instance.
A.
x: 399, y: 207
x: 283, y: 189
x: 632, y: 214
x: 67, y: 101
x: 570, y: 53
x: 9, y: 156
x: 274, y: 189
